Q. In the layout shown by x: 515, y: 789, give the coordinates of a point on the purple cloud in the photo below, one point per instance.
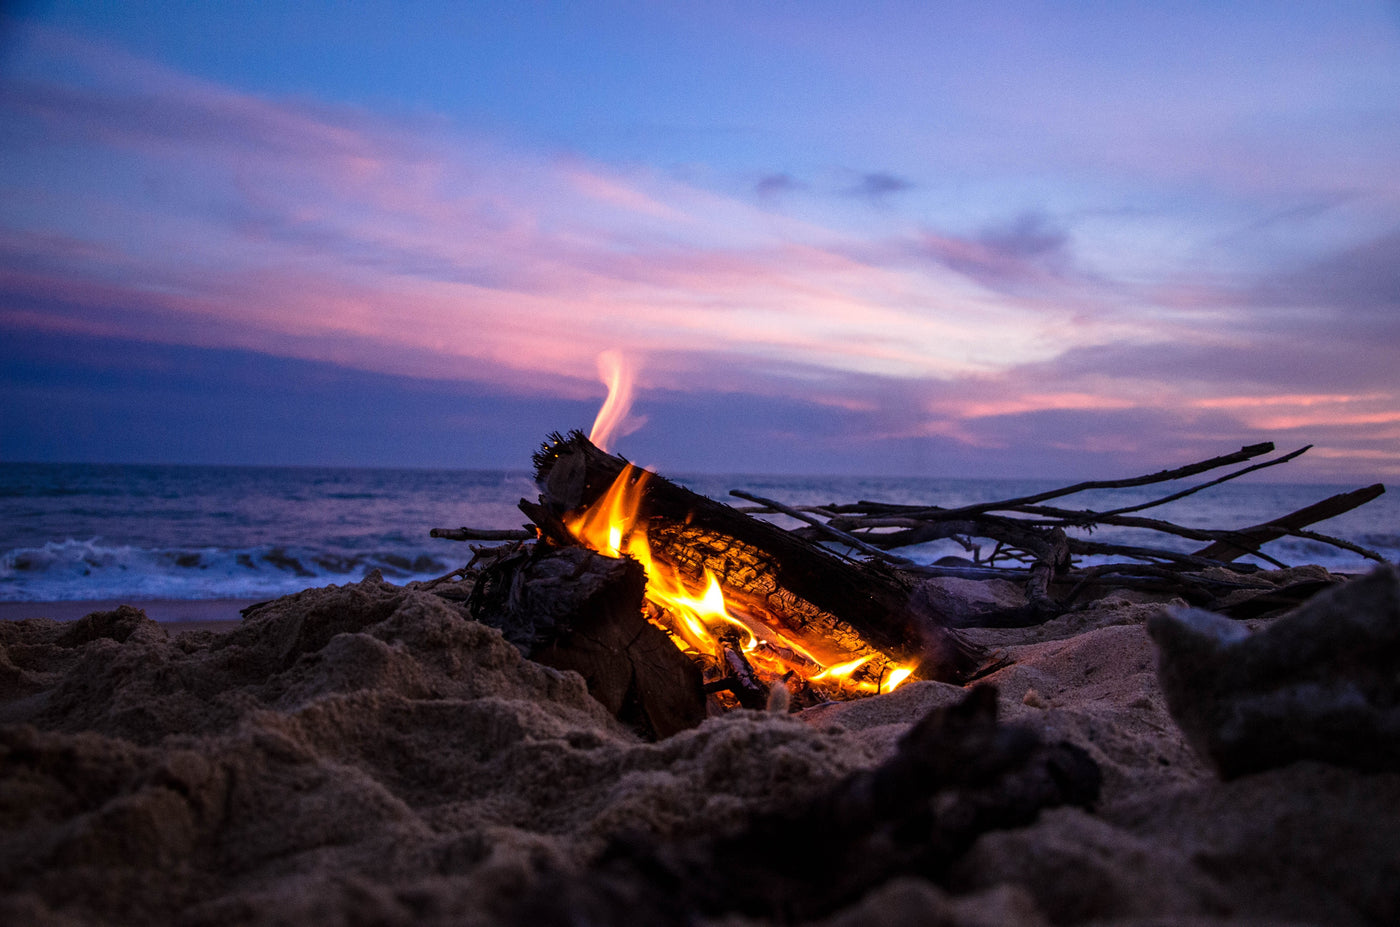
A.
x: 770, y: 186
x: 1029, y: 251
x: 877, y: 185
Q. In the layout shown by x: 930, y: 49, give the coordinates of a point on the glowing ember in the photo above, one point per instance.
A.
x: 702, y: 621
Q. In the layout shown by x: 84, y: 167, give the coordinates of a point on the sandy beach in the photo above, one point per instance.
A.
x: 173, y: 615
x: 368, y: 754
x: 208, y: 613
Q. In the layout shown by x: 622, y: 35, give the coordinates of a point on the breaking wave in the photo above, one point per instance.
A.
x: 91, y: 569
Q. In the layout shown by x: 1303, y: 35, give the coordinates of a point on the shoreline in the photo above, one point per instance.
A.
x: 175, y: 614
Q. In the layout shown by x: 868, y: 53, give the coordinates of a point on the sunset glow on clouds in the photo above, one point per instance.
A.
x: 1079, y: 252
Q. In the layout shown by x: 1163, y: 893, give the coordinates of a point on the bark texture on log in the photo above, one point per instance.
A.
x: 797, y: 585
x: 572, y: 609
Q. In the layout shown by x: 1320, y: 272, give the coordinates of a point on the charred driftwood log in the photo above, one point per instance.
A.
x: 956, y: 775
x: 572, y: 609
x: 797, y: 585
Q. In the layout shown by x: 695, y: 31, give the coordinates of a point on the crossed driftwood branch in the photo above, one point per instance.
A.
x: 866, y: 526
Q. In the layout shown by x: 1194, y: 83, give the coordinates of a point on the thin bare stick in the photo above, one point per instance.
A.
x: 769, y: 510
x: 483, y: 534
x: 1338, y: 542
x: 1248, y: 540
x: 1078, y: 546
x: 1048, y: 517
x: 1162, y: 476
x: 1216, y: 482
x: 965, y: 572
x: 835, y: 533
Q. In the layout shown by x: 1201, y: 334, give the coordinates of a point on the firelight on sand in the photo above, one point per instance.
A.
x: 699, y: 620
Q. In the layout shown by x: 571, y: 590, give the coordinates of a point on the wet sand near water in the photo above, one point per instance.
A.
x: 174, y: 614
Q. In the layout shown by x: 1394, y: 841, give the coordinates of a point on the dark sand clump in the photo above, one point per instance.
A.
x: 366, y: 754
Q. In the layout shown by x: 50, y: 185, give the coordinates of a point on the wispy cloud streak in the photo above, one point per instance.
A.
x: 408, y: 245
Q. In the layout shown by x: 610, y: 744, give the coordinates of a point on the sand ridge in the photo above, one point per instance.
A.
x: 368, y: 754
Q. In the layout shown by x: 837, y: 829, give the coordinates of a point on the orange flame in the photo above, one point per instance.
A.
x: 614, y: 371
x: 698, y: 620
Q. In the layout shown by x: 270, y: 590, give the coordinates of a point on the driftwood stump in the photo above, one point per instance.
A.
x: 572, y: 609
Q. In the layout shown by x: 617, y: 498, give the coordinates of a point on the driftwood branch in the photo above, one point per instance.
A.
x: 1162, y: 476
x: 1030, y: 534
x: 1247, y: 540
x: 823, y: 528
x: 1192, y: 490
x: 483, y: 534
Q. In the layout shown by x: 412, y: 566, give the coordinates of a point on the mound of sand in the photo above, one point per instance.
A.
x: 368, y: 754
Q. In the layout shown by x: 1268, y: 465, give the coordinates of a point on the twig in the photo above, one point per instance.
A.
x: 483, y: 534
x: 1080, y: 546
x: 1338, y: 542
x: 1162, y: 476
x: 836, y: 533
x: 965, y: 572
x: 1248, y: 540
x: 768, y: 510
x: 1215, y: 482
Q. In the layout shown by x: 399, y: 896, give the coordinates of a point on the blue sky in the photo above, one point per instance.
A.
x: 945, y: 239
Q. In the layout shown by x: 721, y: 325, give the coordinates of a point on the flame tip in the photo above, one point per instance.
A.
x: 613, y: 370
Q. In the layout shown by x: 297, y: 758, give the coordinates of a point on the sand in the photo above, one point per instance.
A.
x: 367, y: 754
x: 214, y: 614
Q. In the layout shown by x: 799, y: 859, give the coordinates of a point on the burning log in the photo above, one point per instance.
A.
x: 837, y: 623
x: 742, y: 680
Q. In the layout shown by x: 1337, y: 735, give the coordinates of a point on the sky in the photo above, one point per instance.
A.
x: 930, y: 239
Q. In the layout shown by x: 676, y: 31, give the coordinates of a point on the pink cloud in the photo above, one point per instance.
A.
x: 408, y: 247
x: 1036, y: 402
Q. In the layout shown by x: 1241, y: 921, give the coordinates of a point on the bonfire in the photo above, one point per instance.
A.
x: 825, y: 611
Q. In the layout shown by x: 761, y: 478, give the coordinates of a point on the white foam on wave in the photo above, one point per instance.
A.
x: 91, y: 569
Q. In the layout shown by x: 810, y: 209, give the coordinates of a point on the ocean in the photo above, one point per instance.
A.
x: 72, y: 532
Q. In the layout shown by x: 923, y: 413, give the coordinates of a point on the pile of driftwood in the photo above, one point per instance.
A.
x: 834, y: 580
x: 1030, y: 542
x: 573, y: 608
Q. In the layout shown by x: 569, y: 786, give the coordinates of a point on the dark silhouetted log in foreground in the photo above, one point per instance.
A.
x: 795, y: 584
x: 956, y: 775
